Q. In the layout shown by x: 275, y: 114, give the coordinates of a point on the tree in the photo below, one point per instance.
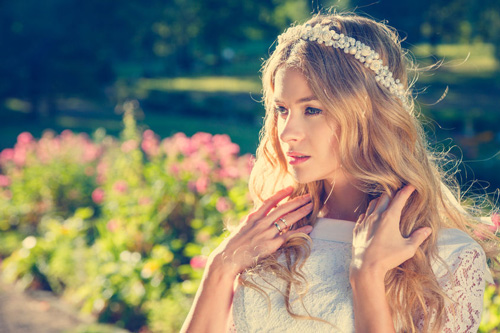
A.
x: 66, y: 47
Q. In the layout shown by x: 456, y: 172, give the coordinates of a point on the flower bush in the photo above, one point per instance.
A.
x: 121, y: 227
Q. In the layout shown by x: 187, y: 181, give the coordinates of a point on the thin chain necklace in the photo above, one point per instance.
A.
x: 358, y: 210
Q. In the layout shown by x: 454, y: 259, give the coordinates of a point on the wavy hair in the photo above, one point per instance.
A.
x: 383, y: 146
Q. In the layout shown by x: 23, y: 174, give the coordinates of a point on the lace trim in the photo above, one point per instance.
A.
x: 466, y: 289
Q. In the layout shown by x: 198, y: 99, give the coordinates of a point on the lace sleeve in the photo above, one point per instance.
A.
x: 466, y: 288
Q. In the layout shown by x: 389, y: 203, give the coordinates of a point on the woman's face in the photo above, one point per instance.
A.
x: 306, y: 137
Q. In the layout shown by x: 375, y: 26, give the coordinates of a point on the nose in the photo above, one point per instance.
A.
x: 291, y: 130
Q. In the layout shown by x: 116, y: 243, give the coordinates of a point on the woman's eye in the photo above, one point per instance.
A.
x: 280, y: 110
x: 313, y: 111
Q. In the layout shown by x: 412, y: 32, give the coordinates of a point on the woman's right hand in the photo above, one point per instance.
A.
x: 257, y: 236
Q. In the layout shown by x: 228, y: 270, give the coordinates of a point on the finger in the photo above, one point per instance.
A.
x: 371, y: 206
x: 283, y: 223
x: 296, y: 215
x: 383, y: 203
x: 271, y: 202
x: 399, y: 201
x: 288, y: 207
x: 360, y: 218
x: 419, y: 236
x: 305, y: 229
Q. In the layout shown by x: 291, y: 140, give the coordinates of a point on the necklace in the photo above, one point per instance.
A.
x: 357, y: 211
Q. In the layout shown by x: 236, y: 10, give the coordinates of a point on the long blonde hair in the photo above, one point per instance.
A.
x: 383, y: 146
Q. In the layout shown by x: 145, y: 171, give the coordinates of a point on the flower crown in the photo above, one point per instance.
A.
x: 366, y: 55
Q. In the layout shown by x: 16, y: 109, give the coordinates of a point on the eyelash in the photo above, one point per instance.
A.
x: 281, y: 110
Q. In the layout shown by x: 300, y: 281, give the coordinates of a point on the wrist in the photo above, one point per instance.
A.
x: 371, y: 274
x: 220, y: 267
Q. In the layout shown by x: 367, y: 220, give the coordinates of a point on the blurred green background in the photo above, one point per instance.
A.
x: 115, y: 69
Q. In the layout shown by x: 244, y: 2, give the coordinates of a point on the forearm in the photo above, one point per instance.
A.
x: 212, y: 303
x: 371, y: 310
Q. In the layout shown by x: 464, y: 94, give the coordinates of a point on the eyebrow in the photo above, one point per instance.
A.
x: 302, y: 100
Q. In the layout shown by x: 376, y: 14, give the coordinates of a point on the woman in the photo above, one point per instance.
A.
x: 390, y: 249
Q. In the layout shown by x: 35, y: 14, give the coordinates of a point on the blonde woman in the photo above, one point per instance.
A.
x: 364, y: 233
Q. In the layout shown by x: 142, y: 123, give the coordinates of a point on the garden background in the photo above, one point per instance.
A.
x: 127, y: 128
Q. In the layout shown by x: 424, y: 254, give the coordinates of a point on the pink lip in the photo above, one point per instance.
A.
x: 297, y: 157
x: 297, y: 160
x: 295, y: 153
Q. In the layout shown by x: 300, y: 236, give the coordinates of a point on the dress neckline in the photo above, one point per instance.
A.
x: 333, y: 230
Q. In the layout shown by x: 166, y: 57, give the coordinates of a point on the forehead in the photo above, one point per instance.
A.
x: 291, y: 82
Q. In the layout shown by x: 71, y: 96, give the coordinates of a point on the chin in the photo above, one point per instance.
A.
x: 302, y: 179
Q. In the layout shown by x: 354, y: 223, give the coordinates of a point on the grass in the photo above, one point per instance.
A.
x: 210, y: 84
x: 474, y: 59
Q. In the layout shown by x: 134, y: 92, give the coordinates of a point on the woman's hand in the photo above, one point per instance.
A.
x: 258, y: 236
x: 378, y: 245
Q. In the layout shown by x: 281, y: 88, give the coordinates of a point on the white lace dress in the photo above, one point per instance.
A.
x: 330, y: 293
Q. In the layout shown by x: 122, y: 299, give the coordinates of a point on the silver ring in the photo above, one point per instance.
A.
x: 284, y: 221
x: 278, y: 227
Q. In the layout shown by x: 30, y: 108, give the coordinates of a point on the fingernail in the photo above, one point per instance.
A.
x: 308, y: 229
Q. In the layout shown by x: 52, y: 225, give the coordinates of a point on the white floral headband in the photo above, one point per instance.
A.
x: 371, y: 59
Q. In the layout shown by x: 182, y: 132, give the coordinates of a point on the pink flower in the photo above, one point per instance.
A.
x: 90, y: 152
x: 25, y: 138
x: 128, y: 146
x: 495, y: 218
x: 98, y: 195
x: 203, y: 237
x: 202, y: 167
x: 478, y: 234
x: 174, y: 169
x: 221, y: 139
x: 7, y: 154
x: 66, y: 134
x: 145, y: 201
x: 148, y: 134
x: 484, y: 229
x: 229, y: 172
x: 198, y: 262
x: 222, y: 205
x: 102, y: 169
x: 19, y: 156
x: 202, y: 185
x: 4, y: 181
x: 185, y: 144
x: 120, y: 186
x: 232, y: 149
x: 112, y: 225
x: 150, y: 143
x: 202, y: 138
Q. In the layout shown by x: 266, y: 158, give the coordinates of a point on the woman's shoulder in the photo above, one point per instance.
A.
x: 459, y: 249
x: 455, y: 238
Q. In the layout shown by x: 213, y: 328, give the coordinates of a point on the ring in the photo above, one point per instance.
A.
x: 278, y: 227
x: 284, y: 221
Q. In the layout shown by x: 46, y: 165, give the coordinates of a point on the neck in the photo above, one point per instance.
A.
x: 346, y: 202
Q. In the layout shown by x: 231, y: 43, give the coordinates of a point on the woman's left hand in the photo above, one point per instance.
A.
x: 378, y: 245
